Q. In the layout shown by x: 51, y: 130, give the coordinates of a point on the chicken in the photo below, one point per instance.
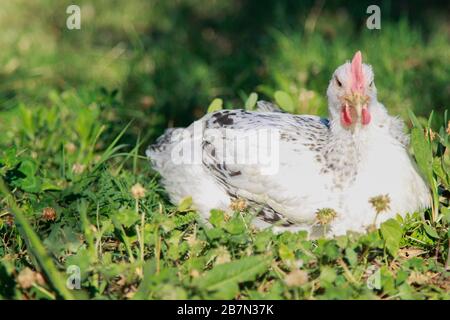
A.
x: 294, y: 170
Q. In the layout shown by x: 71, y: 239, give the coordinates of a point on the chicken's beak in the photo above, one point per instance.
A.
x: 357, y: 100
x: 359, y: 103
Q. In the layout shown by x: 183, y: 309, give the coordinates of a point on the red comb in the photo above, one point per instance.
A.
x: 357, y: 73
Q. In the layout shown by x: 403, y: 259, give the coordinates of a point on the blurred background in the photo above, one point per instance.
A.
x: 162, y: 62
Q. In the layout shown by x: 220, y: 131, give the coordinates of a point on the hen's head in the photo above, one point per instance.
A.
x: 351, y: 93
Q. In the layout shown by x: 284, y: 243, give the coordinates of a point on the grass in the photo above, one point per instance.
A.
x: 69, y: 200
x: 76, y: 190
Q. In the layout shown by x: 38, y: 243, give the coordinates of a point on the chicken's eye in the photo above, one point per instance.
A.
x: 371, y: 84
x: 338, y: 82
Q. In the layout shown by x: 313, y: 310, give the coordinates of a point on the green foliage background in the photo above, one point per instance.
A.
x: 66, y: 101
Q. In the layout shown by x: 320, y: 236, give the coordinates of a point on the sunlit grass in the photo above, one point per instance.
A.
x: 78, y: 108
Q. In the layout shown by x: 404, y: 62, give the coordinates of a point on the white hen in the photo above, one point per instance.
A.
x: 290, y: 167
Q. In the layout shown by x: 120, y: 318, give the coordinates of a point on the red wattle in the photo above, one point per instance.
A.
x: 346, y: 117
x: 365, y: 116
